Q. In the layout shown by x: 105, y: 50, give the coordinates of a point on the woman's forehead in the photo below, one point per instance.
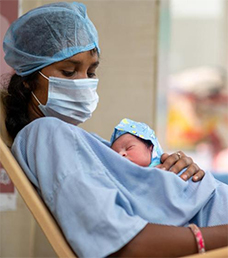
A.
x: 82, y: 57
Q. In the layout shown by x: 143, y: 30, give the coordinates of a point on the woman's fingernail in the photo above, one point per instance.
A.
x: 184, y: 177
x: 195, y: 178
x: 163, y: 168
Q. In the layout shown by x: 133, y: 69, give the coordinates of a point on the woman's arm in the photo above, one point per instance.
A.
x: 169, y: 241
x: 177, y: 162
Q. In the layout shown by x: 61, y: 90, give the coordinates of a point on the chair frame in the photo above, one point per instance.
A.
x: 35, y: 204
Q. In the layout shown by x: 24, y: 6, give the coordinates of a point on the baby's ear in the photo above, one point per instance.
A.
x: 151, y: 147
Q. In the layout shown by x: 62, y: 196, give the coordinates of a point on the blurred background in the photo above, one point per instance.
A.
x: 163, y: 62
x: 197, y: 83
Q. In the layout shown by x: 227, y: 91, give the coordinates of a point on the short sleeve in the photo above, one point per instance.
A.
x: 96, y: 217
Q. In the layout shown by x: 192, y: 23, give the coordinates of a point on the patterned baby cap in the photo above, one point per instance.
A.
x: 142, y: 131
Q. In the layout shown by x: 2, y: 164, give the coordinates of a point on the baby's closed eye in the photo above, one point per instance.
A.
x: 130, y: 147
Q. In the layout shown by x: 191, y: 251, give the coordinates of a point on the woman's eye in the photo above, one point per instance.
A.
x: 91, y: 75
x: 68, y: 73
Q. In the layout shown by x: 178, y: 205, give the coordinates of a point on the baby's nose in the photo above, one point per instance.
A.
x: 123, y: 153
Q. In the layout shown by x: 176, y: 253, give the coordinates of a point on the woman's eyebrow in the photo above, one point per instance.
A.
x: 72, y: 62
x: 95, y: 64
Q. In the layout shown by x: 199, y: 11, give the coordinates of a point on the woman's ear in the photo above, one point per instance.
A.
x: 26, y: 85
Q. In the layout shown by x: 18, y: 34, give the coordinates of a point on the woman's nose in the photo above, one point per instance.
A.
x: 82, y: 75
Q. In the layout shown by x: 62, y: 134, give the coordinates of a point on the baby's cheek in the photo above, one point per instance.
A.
x: 137, y: 160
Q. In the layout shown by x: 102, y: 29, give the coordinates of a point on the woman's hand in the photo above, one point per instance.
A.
x: 177, y: 161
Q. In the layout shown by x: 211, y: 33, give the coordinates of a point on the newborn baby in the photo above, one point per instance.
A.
x: 136, y: 142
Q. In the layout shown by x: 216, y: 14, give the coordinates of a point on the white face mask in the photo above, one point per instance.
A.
x: 72, y: 101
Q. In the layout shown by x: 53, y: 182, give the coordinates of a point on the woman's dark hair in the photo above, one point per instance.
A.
x: 15, y: 98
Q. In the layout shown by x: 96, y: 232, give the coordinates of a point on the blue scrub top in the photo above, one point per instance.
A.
x: 102, y: 200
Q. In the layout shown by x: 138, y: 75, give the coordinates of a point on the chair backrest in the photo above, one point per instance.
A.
x: 30, y: 195
x: 35, y: 203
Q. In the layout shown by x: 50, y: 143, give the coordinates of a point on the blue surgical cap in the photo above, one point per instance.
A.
x: 48, y: 34
x: 142, y: 131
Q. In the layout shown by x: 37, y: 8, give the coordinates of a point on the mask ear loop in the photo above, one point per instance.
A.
x: 33, y: 92
x: 43, y: 75
x: 36, y: 98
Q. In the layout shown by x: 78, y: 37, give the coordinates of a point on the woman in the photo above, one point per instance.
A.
x: 54, y: 51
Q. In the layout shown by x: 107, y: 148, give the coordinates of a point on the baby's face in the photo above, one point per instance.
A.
x: 130, y: 147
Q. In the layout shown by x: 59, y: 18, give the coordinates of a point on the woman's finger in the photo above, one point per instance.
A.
x: 175, y: 162
x: 198, y: 176
x: 181, y: 164
x: 168, y: 160
x: 193, y: 171
x: 178, y: 161
x: 190, y: 171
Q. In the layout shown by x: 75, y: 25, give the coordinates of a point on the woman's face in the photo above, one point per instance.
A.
x: 79, y: 66
x: 130, y: 147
